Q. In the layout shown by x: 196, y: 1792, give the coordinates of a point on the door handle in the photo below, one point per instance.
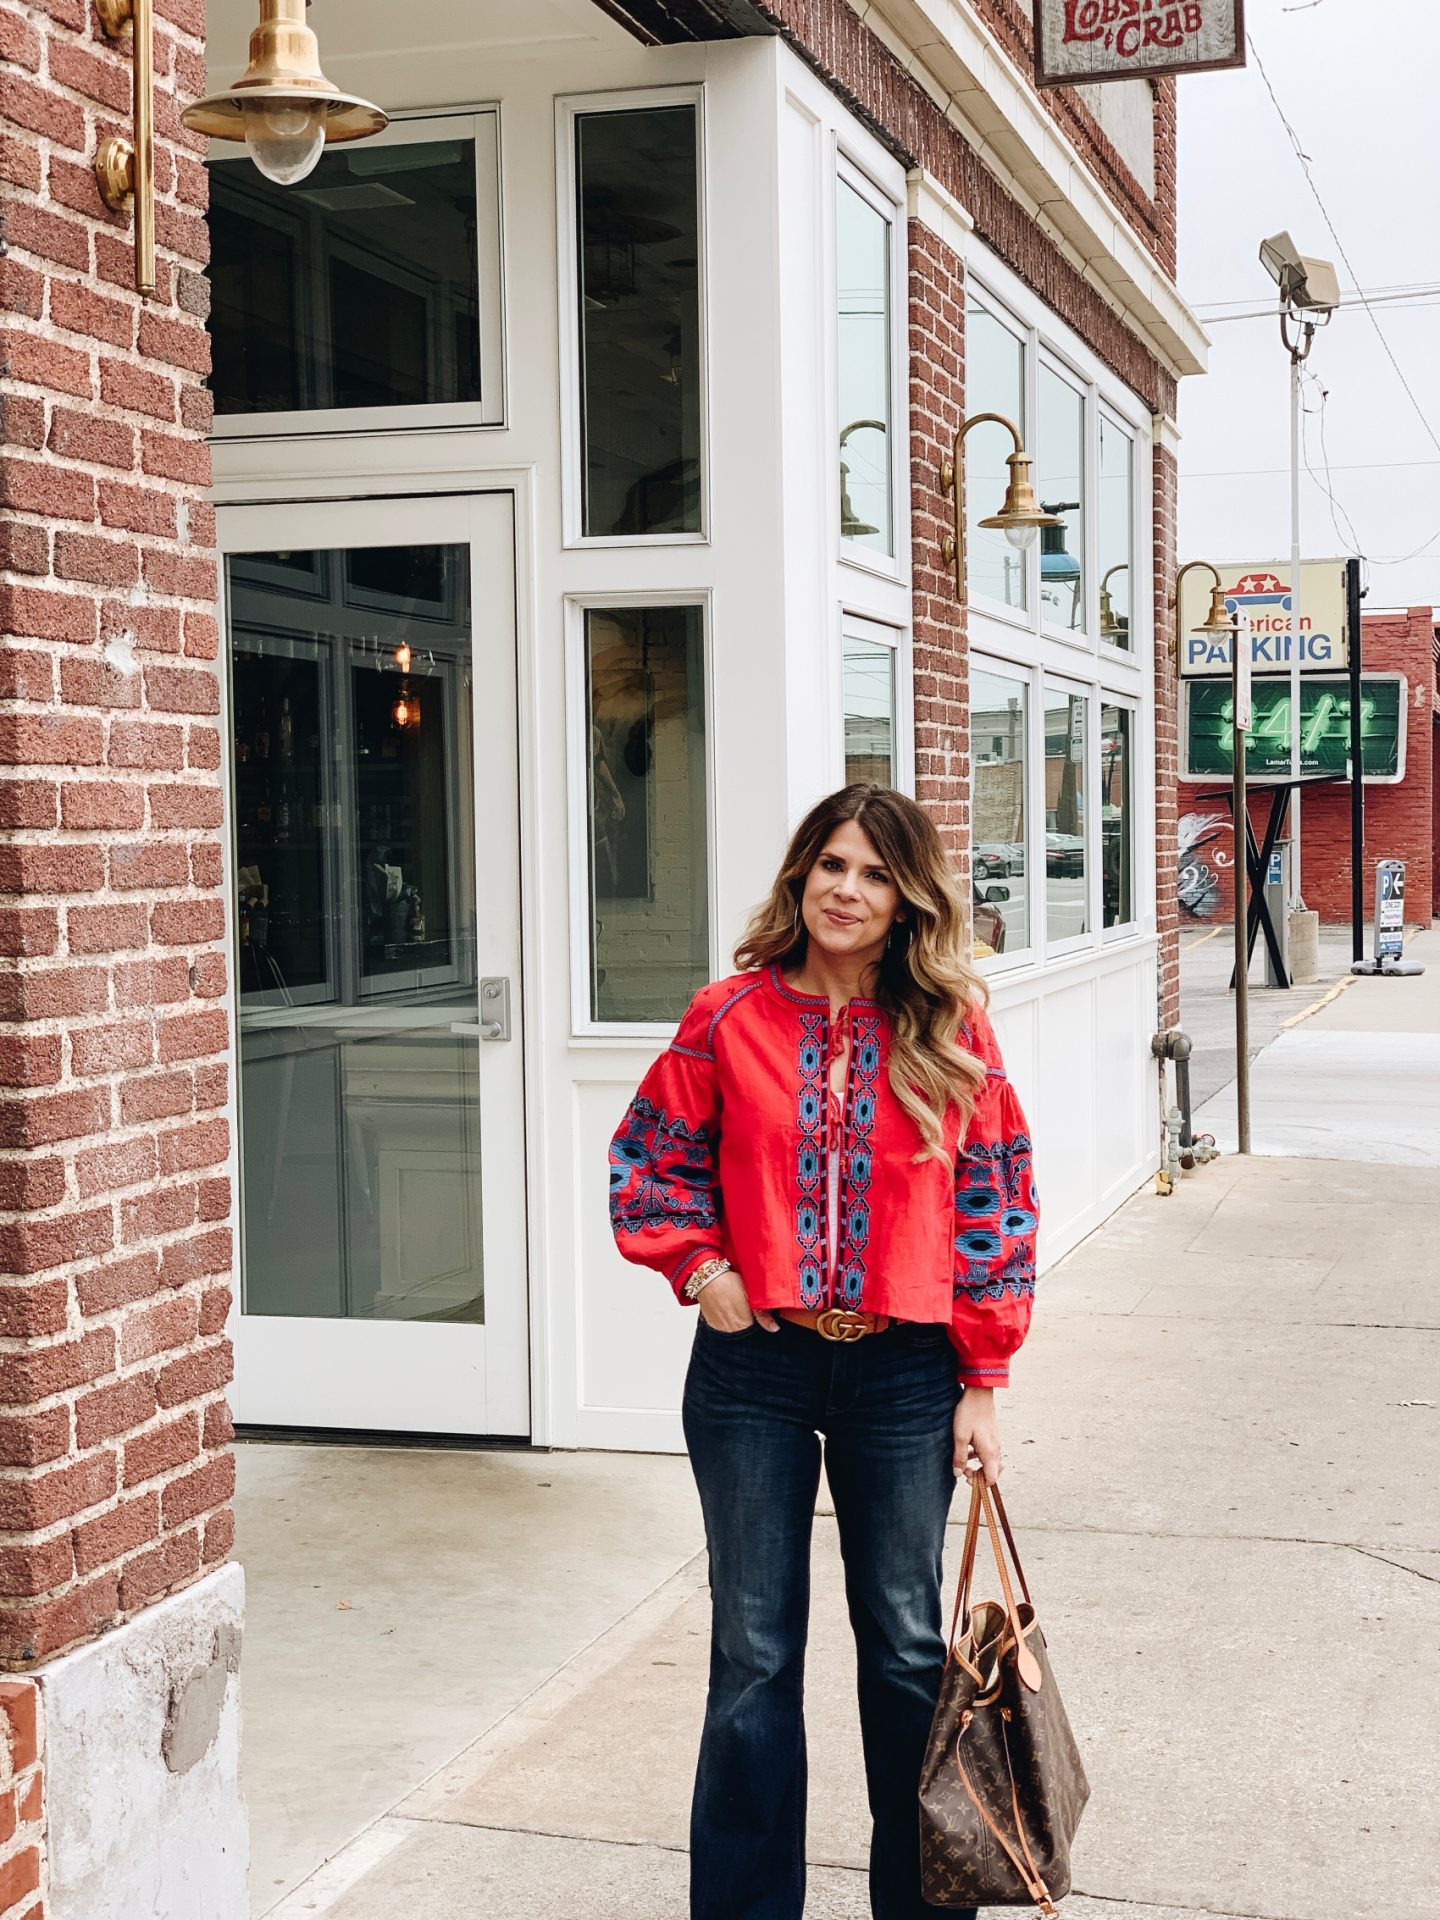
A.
x: 495, y: 1008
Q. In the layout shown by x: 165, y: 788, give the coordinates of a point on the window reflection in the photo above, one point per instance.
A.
x: 999, y: 756
x: 353, y: 809
x: 637, y: 198
x: 649, y: 872
x: 869, y: 694
x: 994, y: 383
x: 1117, y: 830
x: 862, y: 265
x: 1062, y: 491
x: 1116, y: 528
x: 1067, y: 911
x: 358, y: 288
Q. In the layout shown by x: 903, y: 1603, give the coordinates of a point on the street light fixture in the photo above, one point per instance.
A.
x: 282, y: 106
x: 1309, y: 295
x: 1021, y: 515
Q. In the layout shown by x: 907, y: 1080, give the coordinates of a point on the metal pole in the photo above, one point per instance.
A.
x: 1296, y: 627
x: 1357, y: 765
x: 1242, y: 902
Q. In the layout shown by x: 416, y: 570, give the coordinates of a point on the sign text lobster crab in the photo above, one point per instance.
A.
x: 1082, y: 40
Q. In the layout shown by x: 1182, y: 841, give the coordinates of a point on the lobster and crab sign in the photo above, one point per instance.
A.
x: 1077, y: 41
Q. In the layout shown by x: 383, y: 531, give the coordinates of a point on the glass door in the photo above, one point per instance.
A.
x: 375, y: 888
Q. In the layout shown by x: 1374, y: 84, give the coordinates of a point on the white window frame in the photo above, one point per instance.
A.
x: 568, y: 109
x: 1105, y: 412
x: 1123, y: 929
x: 894, y: 565
x: 583, y: 1025
x: 1026, y: 619
x: 1014, y: 958
x: 1082, y: 637
x: 1051, y: 681
x: 482, y: 125
x: 859, y: 626
x: 1019, y: 643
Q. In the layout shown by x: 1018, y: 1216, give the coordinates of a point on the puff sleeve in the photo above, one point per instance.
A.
x: 996, y: 1219
x: 665, y: 1207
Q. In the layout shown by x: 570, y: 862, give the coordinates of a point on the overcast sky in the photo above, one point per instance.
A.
x: 1357, y: 79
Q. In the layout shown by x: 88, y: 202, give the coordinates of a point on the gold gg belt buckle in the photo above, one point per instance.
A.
x: 841, y: 1323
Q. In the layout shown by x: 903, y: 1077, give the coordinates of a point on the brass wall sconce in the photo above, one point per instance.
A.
x: 125, y: 170
x: 852, y: 527
x: 1021, y: 515
x: 1111, y: 627
x: 282, y: 106
x: 1219, y: 621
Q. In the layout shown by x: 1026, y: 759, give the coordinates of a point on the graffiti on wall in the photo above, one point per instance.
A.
x: 1206, y: 849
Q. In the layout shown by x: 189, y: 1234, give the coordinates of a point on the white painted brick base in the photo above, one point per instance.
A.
x: 142, y: 1764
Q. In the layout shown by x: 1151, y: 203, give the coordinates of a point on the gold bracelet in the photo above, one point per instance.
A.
x: 707, y: 1271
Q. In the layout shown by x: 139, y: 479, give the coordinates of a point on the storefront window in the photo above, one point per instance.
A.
x: 638, y: 252
x: 353, y: 811
x: 869, y: 675
x: 862, y: 267
x: 999, y: 868
x: 994, y: 383
x: 1117, y: 826
x: 1067, y: 912
x: 648, y: 838
x: 358, y: 288
x: 1117, y: 531
x: 1061, y: 442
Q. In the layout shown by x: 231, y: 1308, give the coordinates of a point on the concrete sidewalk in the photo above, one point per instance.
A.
x: 1224, y: 1454
x: 1357, y: 1079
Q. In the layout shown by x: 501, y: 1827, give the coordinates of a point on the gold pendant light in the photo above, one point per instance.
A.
x: 282, y: 106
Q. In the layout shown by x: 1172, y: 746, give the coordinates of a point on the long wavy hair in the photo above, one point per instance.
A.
x: 926, y: 984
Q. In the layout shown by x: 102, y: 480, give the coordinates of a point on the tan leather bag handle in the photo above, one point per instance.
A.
x: 985, y: 1502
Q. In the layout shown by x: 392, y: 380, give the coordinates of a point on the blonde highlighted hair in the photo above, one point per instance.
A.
x: 926, y: 984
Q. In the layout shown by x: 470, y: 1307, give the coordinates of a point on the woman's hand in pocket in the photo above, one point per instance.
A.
x: 726, y: 1307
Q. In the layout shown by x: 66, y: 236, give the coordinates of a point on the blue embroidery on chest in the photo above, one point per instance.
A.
x: 810, y: 1169
x: 860, y: 1123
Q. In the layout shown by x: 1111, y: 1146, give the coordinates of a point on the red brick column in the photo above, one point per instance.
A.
x: 115, y: 1243
x: 1165, y: 498
x: 937, y: 394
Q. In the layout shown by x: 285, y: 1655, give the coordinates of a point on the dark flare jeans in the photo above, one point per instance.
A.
x: 756, y: 1407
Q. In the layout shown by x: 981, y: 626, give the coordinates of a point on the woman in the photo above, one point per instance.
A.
x: 830, y: 1161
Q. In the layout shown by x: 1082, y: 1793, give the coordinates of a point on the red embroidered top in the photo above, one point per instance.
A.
x: 729, y: 1148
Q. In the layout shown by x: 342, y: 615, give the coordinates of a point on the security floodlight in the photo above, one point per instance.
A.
x: 1311, y: 285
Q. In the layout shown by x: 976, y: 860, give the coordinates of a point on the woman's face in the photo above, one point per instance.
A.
x: 850, y: 899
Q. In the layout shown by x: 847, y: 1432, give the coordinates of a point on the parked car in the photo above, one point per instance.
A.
x: 1064, y: 854
x: 994, y: 859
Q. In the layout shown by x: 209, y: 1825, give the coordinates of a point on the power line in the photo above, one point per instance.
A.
x: 1376, y: 293
x: 1397, y: 303
x: 1304, y: 160
x: 1263, y: 473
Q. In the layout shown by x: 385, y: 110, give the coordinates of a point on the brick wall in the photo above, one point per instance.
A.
x: 867, y: 76
x: 937, y: 397
x: 115, y: 1243
x: 1399, y: 818
x: 1154, y: 220
x: 22, y: 1801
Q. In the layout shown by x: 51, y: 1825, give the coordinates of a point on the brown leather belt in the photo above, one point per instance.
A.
x: 836, y: 1323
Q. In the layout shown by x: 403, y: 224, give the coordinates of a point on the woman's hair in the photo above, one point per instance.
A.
x: 926, y: 983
